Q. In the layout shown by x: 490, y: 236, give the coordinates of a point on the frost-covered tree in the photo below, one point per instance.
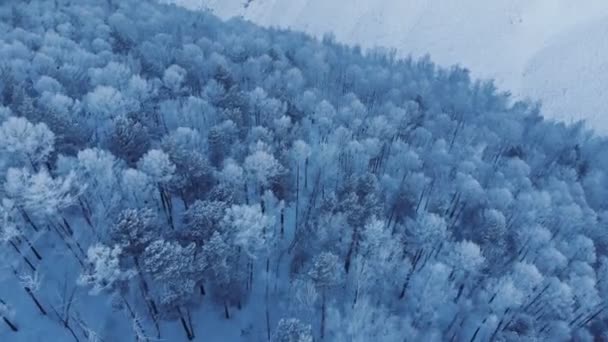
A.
x: 114, y: 74
x: 157, y: 165
x: 366, y: 321
x: 249, y: 229
x: 175, y: 272
x: 134, y: 230
x: 223, y: 278
x: 106, y: 102
x: 431, y: 292
x: 380, y: 264
x: 262, y: 168
x: 194, y: 174
x: 232, y: 177
x: 292, y: 330
x: 39, y: 194
x: 129, y: 139
x: 161, y: 171
x: 104, y: 272
x: 425, y: 235
x: 98, y: 174
x: 201, y: 220
x: 12, y: 235
x: 173, y: 78
x: 220, y: 137
x: 25, y: 143
x: 325, y: 273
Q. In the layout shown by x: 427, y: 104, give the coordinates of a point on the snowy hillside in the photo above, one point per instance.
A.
x: 169, y: 176
x: 552, y: 50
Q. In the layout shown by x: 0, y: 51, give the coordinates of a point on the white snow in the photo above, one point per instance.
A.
x: 552, y: 50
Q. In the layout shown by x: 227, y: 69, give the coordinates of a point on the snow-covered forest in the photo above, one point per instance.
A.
x: 167, y: 176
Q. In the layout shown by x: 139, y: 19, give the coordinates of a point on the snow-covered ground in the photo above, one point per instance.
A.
x: 552, y: 50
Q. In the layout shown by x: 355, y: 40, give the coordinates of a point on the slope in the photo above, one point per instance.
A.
x: 501, y: 40
x: 170, y: 176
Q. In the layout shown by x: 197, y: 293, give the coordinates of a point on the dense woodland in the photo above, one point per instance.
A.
x: 161, y: 163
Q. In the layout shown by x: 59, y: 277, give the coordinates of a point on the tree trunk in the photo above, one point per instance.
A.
x: 183, y: 197
x: 29, y: 243
x: 266, y: 297
x: 297, y: 198
x: 167, y: 205
x: 150, y: 303
x: 189, y: 333
x: 67, y: 244
x: 267, y: 322
x: 33, y: 297
x: 323, y: 309
x: 226, y: 312
x: 189, y: 317
x: 406, y: 283
x: 144, y: 283
x: 250, y: 275
x: 33, y: 249
x: 86, y: 213
x: 282, y: 222
x: 10, y: 324
x: 478, y: 329
x: 306, y: 173
x: 67, y: 227
x: 29, y: 220
x: 132, y: 314
x: 27, y: 261
x: 352, y: 249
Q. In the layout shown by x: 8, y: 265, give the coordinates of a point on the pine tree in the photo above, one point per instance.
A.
x: 129, y: 139
x: 104, y: 272
x: 325, y: 273
x: 201, y: 220
x: 134, y: 230
x: 292, y: 330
